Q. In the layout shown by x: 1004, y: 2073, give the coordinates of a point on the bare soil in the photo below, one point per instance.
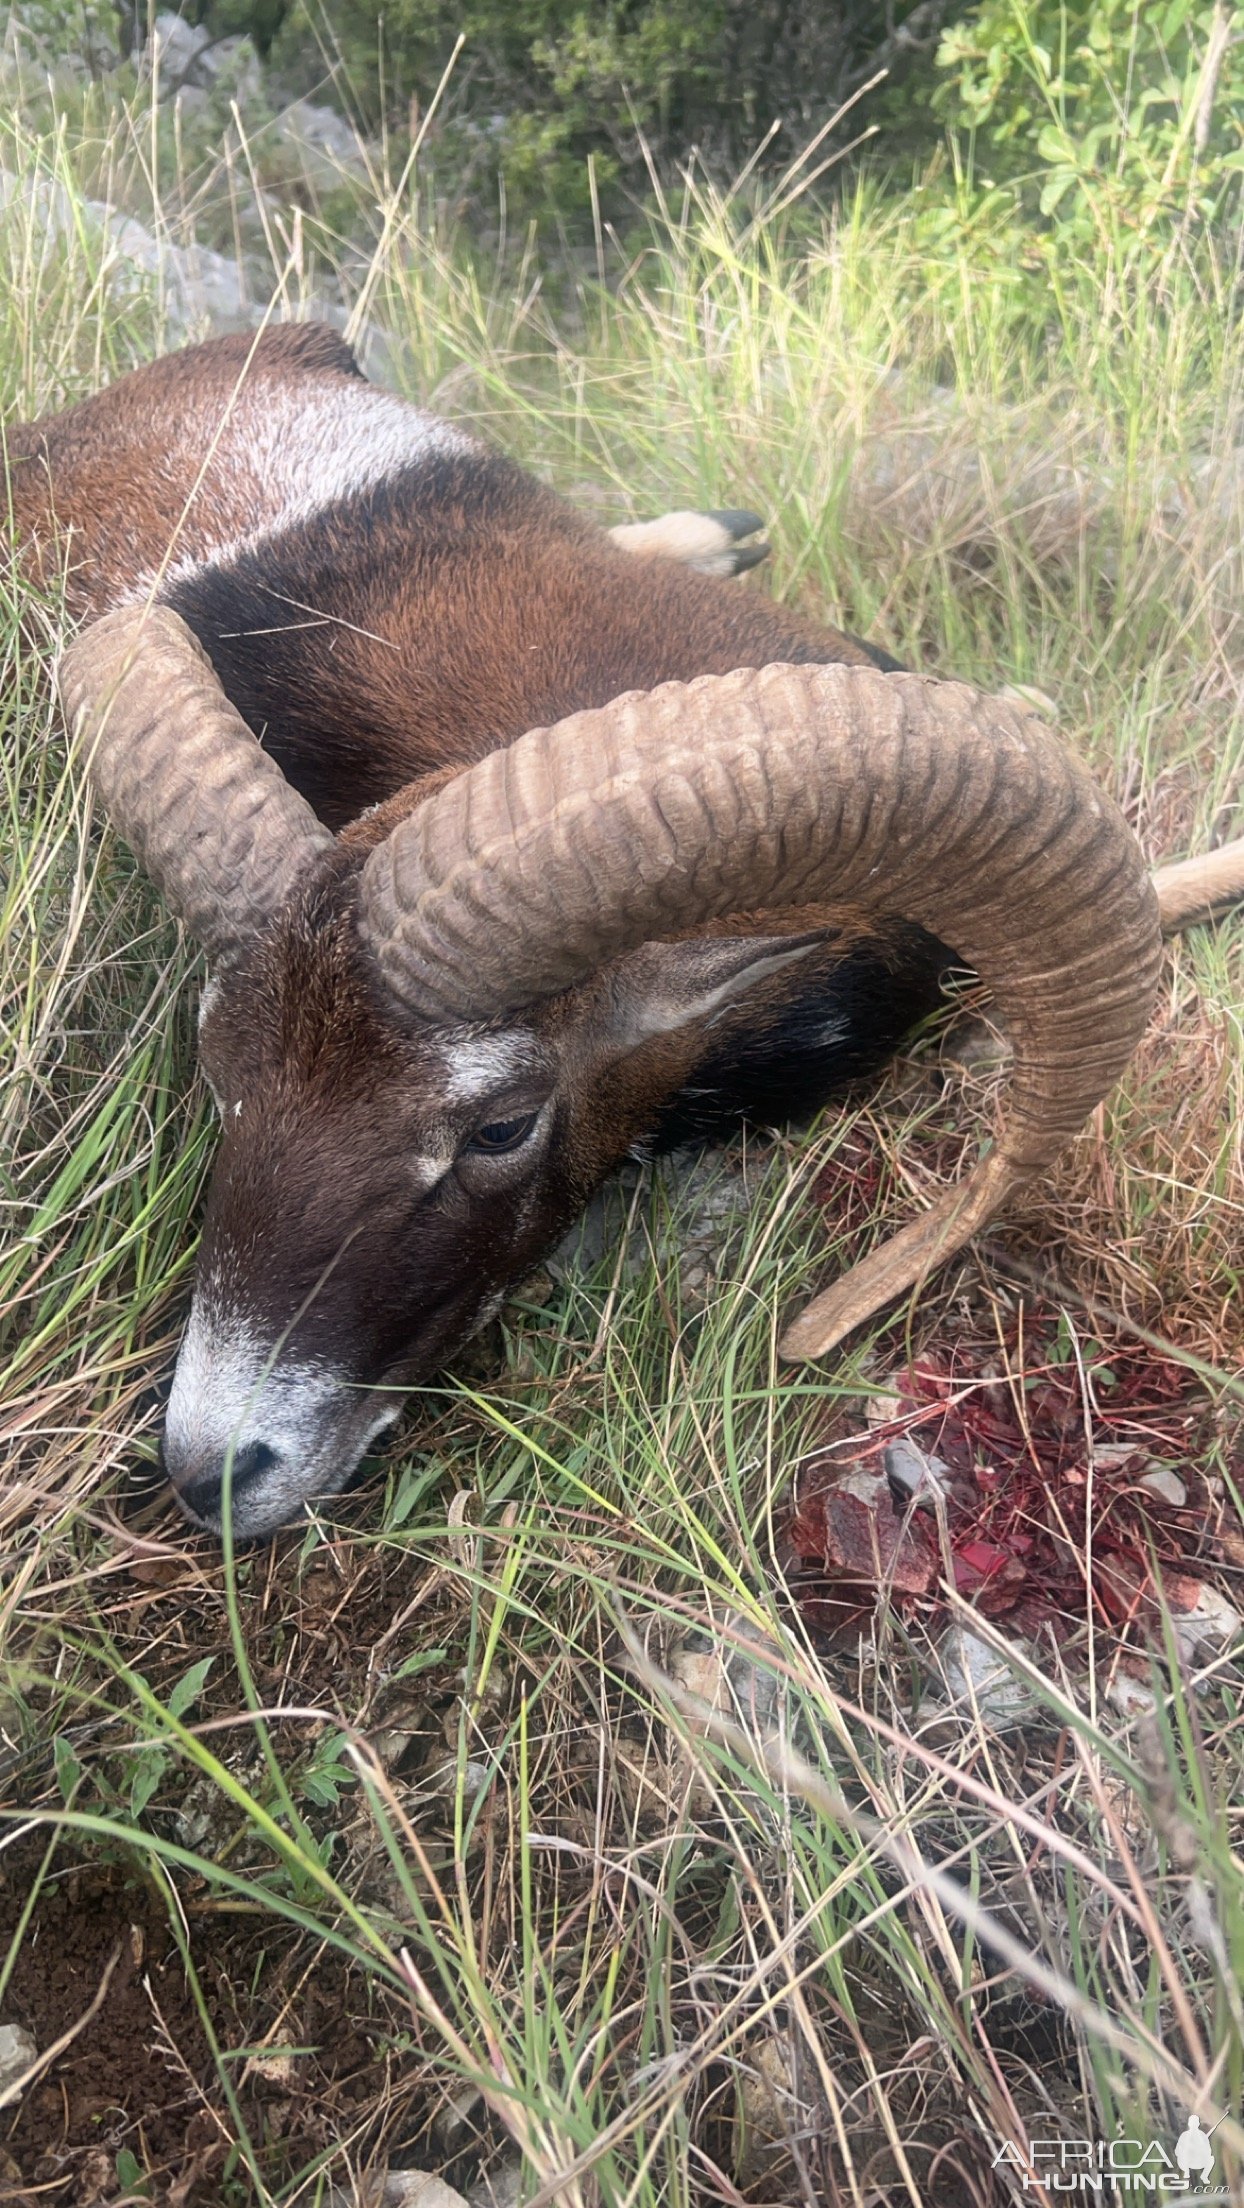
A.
x: 138, y: 2074
x: 317, y: 2052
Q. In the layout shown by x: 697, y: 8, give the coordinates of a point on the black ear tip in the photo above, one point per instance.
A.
x: 737, y: 522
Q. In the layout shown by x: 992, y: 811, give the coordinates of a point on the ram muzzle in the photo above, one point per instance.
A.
x: 517, y: 881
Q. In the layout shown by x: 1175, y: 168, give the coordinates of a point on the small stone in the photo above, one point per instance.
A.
x: 173, y: 50
x: 17, y: 2052
x: 911, y: 1473
x: 454, y: 2118
x: 598, y: 1232
x: 391, y: 1743
x: 417, y: 2189
x: 397, y: 2189
x: 201, y: 1817
x: 867, y: 1486
x: 276, y: 2066
x: 772, y: 2108
x: 96, y: 2177
x: 727, y: 1677
x: 735, y: 1671
x: 881, y: 1410
x: 502, y: 2188
x: 979, y: 1678
x: 866, y: 1538
x: 1209, y: 1628
x: 1161, y: 1481
x: 1131, y: 1697
x: 1110, y: 1456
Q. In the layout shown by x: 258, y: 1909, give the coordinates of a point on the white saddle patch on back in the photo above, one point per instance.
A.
x: 275, y: 457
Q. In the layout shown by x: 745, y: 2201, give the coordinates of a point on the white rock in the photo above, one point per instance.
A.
x: 502, y: 2188
x: 879, y: 1410
x: 702, y: 1202
x: 774, y: 2109
x: 868, y: 1487
x: 455, y: 2115
x: 599, y: 1228
x: 51, y: 202
x: 275, y: 2065
x: 191, y: 99
x: 979, y: 1678
x: 323, y: 131
x: 727, y: 1677
x: 1160, y: 1480
x: 184, y: 57
x: 415, y: 2189
x: 733, y: 1683
x: 233, y: 62
x: 1131, y: 1697
x: 1212, y: 1626
x: 909, y: 1471
x: 398, y: 2189
x: 172, y: 52
x: 199, y: 290
x: 977, y: 1045
x: 17, y: 2052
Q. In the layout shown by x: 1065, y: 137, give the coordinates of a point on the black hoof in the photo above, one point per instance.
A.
x: 748, y: 555
x: 737, y: 522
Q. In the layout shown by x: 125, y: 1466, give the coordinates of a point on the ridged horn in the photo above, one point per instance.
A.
x: 792, y: 786
x: 208, y: 815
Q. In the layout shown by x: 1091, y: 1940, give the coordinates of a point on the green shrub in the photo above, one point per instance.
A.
x: 1137, y: 104
x: 541, y: 84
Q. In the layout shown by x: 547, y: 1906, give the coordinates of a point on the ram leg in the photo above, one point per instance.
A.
x: 710, y: 543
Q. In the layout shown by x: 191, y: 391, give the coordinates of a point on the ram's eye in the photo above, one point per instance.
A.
x: 501, y: 1135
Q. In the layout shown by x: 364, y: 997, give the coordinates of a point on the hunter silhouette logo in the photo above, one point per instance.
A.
x: 1193, y: 2151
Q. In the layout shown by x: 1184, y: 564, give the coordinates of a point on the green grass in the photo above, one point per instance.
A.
x: 449, y: 1795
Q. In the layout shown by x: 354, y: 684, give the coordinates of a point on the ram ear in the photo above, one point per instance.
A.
x: 666, y: 986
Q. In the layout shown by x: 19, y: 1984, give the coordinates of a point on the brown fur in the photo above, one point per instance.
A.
x: 99, y: 492
x: 338, y: 1090
x: 456, y: 616
x: 464, y: 607
x: 378, y: 648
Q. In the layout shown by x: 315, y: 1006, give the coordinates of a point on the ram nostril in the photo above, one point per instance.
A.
x: 250, y: 1465
x: 202, y: 1497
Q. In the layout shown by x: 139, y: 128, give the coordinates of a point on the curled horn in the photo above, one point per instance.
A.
x: 209, y: 816
x: 793, y: 786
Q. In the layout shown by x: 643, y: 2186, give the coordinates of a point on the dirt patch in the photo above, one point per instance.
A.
x: 135, y: 2075
x: 138, y: 2079
x: 308, y: 2041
